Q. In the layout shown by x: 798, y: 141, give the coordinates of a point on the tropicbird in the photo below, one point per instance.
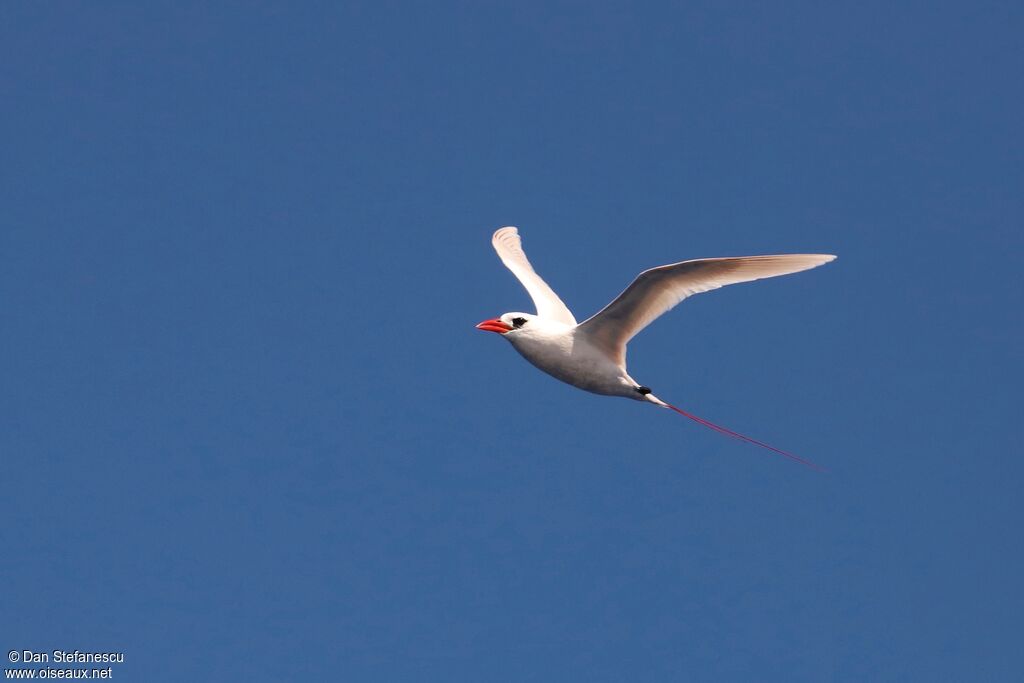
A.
x: 592, y: 355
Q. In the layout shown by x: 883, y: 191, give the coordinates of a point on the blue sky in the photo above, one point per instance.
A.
x: 250, y: 432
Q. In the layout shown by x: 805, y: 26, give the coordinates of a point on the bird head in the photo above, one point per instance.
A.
x: 507, y: 322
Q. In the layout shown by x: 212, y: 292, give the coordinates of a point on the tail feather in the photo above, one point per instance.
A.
x: 728, y: 432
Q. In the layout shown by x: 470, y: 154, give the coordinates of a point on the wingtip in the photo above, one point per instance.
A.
x: 823, y: 258
x: 507, y: 230
x: 815, y: 259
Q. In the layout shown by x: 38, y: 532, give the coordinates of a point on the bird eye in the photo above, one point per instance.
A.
x: 518, y: 322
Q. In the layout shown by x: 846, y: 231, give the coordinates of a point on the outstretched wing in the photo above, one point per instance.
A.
x: 658, y: 290
x: 510, y: 249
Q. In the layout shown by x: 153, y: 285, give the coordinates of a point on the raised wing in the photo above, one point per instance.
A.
x: 658, y: 290
x: 510, y: 249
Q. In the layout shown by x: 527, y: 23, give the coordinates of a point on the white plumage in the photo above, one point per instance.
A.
x: 592, y: 355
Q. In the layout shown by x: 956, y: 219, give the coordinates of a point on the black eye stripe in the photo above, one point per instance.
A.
x: 518, y: 322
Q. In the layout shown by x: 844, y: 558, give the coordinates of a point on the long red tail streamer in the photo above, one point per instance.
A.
x: 737, y: 435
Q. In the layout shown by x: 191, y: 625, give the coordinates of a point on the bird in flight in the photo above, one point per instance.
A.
x: 592, y: 355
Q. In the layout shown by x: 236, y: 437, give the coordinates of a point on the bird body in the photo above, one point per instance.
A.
x: 592, y: 355
x: 566, y: 353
